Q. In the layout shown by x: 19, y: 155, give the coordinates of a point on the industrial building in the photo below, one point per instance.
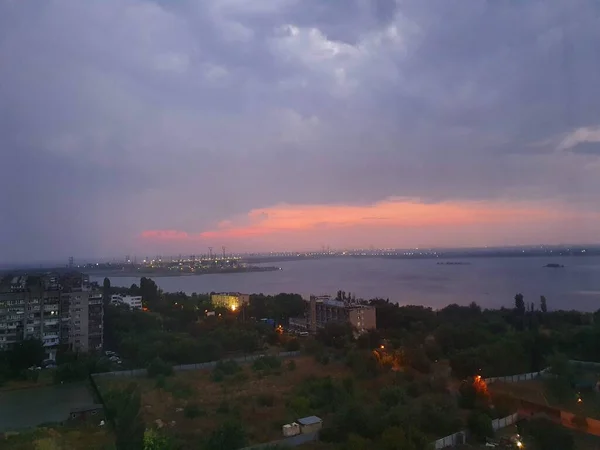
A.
x: 55, y: 309
x: 322, y: 310
x: 230, y: 300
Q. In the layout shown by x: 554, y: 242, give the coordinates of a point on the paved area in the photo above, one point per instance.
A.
x: 27, y: 408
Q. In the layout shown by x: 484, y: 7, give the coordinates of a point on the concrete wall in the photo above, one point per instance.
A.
x: 184, y: 367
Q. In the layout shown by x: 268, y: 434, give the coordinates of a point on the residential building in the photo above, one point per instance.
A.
x: 322, y: 310
x: 29, y: 308
x: 133, y: 301
x: 82, y: 316
x: 230, y: 300
x: 55, y: 309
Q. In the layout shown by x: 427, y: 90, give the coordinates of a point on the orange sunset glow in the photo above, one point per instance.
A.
x: 391, y: 222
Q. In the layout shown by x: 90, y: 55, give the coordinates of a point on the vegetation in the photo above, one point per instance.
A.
x: 415, y: 379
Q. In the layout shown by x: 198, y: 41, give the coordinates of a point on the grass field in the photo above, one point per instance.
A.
x: 247, y: 396
x: 60, y: 438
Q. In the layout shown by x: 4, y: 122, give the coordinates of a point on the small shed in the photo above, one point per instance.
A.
x: 291, y: 429
x: 310, y: 424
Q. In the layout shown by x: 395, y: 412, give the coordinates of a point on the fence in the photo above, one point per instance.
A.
x: 293, y: 441
x: 461, y: 436
x: 515, y: 378
x: 451, y: 440
x: 498, y: 424
x: 184, y: 367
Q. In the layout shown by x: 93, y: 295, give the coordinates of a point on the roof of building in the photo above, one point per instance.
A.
x: 310, y: 420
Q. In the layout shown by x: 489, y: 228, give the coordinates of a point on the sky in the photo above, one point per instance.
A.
x: 164, y: 127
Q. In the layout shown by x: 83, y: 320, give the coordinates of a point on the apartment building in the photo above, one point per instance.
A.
x: 29, y: 308
x: 133, y: 301
x: 81, y: 315
x: 322, y: 310
x: 55, y: 309
x: 230, y: 300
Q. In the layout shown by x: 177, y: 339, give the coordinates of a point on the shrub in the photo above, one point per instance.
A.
x: 223, y: 407
x: 266, y: 400
x: 240, y: 377
x: 161, y: 382
x: 179, y: 389
x: 228, y: 367
x: 322, y: 358
x: 480, y: 425
x: 292, y: 345
x: 192, y: 410
x: 291, y: 365
x: 217, y: 376
x: 230, y: 435
x: 266, y: 363
x: 159, y: 367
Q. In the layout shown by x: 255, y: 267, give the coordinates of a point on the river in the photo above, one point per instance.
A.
x: 491, y: 282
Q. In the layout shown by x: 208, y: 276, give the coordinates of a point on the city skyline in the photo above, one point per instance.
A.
x: 145, y: 127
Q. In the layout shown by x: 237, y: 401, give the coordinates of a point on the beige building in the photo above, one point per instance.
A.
x: 230, y: 300
x: 323, y: 310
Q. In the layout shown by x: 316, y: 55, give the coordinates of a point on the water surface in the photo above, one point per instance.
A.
x: 491, y: 282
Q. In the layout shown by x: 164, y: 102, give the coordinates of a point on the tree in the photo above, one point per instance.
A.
x: 106, y: 291
x: 229, y: 436
x: 123, y: 408
x: 24, y: 354
x: 549, y: 436
x: 543, y: 306
x: 154, y: 440
x: 520, y: 304
x: 480, y: 425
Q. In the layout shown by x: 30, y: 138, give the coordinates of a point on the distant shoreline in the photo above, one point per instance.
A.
x: 139, y: 274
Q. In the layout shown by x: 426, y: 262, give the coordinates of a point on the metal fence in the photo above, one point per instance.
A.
x: 461, y: 436
x: 451, y: 440
x: 515, y: 378
x: 199, y: 366
x: 498, y: 424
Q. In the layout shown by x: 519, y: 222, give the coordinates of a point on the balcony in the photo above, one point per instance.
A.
x: 51, y: 321
x: 51, y: 341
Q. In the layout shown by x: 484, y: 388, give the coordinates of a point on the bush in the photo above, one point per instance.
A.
x: 266, y: 400
x: 291, y: 365
x: 228, y: 367
x: 159, y: 367
x: 192, y: 410
x: 480, y: 425
x: 548, y: 435
x: 217, y: 376
x: 322, y: 358
x: 230, y: 435
x: 161, y: 382
x: 292, y: 345
x: 266, y: 363
x: 223, y: 407
x: 179, y: 389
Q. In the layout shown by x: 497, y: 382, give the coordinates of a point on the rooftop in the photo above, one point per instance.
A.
x: 310, y: 420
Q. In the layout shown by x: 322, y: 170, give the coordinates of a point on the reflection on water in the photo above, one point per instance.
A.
x: 491, y: 282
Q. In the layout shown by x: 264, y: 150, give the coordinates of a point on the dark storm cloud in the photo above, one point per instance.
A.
x: 125, y: 115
